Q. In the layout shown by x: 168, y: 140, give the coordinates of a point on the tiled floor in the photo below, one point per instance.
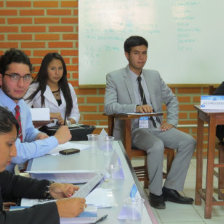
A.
x: 192, y: 214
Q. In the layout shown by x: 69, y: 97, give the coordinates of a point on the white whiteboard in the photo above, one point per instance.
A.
x: 186, y: 38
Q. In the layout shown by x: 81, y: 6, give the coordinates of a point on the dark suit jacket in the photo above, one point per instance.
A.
x: 14, y: 187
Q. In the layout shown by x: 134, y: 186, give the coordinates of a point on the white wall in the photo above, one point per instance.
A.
x: 186, y: 38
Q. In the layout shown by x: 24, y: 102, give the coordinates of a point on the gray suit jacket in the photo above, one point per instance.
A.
x: 119, y: 96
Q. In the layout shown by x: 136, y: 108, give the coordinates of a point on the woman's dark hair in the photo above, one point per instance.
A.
x: 134, y: 41
x: 7, y: 121
x: 42, y: 78
x: 11, y: 56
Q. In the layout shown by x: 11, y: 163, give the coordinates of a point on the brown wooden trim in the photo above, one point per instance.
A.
x: 177, y: 85
x: 196, y: 85
x: 100, y: 86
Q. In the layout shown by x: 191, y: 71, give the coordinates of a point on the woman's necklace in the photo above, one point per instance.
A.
x: 56, y: 93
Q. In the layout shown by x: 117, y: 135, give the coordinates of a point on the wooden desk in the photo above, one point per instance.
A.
x: 213, y: 118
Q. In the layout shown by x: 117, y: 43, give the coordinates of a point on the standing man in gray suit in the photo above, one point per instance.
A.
x: 134, y: 89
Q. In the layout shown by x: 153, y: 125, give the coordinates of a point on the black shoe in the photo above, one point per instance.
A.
x: 157, y: 201
x: 174, y: 196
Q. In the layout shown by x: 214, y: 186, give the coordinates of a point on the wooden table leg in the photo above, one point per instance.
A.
x: 221, y: 172
x: 127, y: 137
x: 199, y: 161
x: 110, y: 125
x: 210, y: 167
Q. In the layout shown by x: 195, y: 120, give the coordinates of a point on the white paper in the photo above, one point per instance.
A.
x: 100, y: 197
x: 31, y: 202
x: 212, y: 102
x: 74, y: 177
x: 84, y: 217
x: 136, y: 113
x: 40, y: 114
x: 68, y: 145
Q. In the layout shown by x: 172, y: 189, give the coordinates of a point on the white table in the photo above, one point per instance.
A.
x: 87, y: 161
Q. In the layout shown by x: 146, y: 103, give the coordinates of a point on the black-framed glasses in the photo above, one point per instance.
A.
x: 16, y: 77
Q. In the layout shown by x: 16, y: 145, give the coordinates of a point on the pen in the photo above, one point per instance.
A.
x: 100, y: 219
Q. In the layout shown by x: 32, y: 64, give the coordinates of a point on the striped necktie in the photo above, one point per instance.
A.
x: 17, y: 115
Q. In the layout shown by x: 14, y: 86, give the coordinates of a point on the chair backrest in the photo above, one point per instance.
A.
x: 211, y: 89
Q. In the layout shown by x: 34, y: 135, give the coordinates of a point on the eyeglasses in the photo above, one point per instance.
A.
x: 16, y: 77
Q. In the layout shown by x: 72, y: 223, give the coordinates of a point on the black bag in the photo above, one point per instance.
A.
x: 220, y: 132
x: 220, y: 128
x: 79, y: 133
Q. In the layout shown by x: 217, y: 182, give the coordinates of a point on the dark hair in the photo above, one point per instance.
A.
x: 42, y: 78
x: 133, y: 41
x: 7, y: 121
x: 13, y: 55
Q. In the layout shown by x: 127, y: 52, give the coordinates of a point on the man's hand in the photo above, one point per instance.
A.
x: 41, y: 136
x: 58, y: 117
x: 58, y: 190
x: 144, y: 109
x: 63, y: 134
x: 166, y: 126
x: 70, y: 207
x: 6, y: 205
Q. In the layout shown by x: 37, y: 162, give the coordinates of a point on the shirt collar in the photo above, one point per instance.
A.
x: 133, y: 74
x: 8, y: 102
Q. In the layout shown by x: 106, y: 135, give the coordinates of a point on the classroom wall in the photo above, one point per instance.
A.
x: 39, y: 27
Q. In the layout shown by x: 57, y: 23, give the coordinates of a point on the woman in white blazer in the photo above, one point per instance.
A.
x: 51, y: 89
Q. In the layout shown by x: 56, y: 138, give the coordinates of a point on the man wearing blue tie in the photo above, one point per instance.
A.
x: 134, y: 89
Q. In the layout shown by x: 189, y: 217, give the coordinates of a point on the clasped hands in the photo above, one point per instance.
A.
x: 67, y: 207
x: 60, y: 119
x: 148, y: 109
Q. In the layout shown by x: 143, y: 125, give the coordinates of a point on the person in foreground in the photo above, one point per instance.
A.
x: 15, y: 72
x: 15, y: 187
x: 134, y: 89
x: 52, y: 90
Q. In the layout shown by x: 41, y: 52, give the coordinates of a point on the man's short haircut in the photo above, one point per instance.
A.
x: 134, y: 41
x: 7, y: 121
x: 11, y: 56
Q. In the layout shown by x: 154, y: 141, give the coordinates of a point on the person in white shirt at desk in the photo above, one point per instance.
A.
x: 52, y: 90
